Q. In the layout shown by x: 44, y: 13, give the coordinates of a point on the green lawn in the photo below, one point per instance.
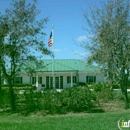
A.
x: 92, y: 121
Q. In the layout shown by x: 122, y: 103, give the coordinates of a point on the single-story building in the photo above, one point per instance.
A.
x: 65, y: 72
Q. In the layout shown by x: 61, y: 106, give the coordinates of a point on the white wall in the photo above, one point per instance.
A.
x: 26, y: 79
x: 82, y: 77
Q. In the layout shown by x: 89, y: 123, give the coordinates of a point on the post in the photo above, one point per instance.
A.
x: 53, y: 63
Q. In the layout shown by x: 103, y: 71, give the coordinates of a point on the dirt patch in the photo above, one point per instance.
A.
x: 112, y: 106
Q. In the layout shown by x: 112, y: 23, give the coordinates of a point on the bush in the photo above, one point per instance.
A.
x: 52, y: 102
x: 98, y: 87
x: 4, y: 99
x: 78, y: 99
x: 103, y: 91
x: 115, y: 85
x: 75, y: 99
x: 17, y: 85
x: 29, y: 101
x: 81, y: 84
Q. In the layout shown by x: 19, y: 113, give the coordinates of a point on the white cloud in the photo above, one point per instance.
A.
x: 85, y: 38
x: 82, y: 38
x: 81, y: 53
x: 57, y: 50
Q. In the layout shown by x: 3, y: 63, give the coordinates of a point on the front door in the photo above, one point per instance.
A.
x: 59, y: 82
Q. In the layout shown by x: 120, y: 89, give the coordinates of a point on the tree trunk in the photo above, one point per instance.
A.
x: 12, y: 97
x: 126, y: 100
x: 0, y: 80
x: 0, y: 75
x: 123, y: 84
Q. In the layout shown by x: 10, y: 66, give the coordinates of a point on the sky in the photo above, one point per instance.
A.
x: 68, y: 20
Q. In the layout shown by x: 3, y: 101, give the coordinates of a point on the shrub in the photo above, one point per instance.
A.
x: 17, y: 85
x: 115, y: 85
x: 78, y: 99
x: 103, y: 91
x: 4, y: 99
x: 75, y: 99
x: 98, y: 87
x: 105, y: 95
x: 29, y: 101
x: 81, y: 84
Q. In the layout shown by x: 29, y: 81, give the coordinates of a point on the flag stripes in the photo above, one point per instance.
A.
x: 50, y: 41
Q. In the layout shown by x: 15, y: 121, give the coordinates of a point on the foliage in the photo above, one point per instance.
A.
x: 103, y: 91
x: 99, y: 86
x: 17, y: 85
x: 76, y: 99
x: 116, y: 85
x: 21, y: 36
x: 18, y: 88
x: 109, y: 28
x: 4, y: 99
x: 117, y: 94
x: 50, y: 101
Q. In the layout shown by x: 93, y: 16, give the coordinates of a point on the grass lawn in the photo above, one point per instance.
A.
x: 81, y: 121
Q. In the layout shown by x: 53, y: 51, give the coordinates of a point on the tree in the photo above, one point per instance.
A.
x: 109, y: 26
x: 21, y: 37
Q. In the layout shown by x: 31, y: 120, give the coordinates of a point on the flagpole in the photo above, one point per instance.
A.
x: 53, y: 57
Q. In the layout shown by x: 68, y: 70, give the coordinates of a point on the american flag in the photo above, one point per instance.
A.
x: 50, y: 40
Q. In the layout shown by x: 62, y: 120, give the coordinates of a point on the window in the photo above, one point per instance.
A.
x: 61, y: 82
x: 34, y: 80
x: 90, y: 79
x: 17, y: 80
x: 57, y: 82
x: 40, y: 80
x: 69, y: 79
x: 74, y: 79
x: 47, y: 81
x: 51, y: 82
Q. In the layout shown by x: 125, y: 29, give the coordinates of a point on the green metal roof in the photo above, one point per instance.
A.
x: 67, y: 65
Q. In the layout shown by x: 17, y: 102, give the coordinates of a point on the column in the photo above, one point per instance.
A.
x: 37, y: 81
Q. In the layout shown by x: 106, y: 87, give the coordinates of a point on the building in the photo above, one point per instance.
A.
x: 67, y: 73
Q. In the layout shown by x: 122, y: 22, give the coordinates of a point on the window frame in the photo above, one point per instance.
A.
x: 33, y: 80
x: 89, y: 80
x: 21, y: 80
x: 74, y: 79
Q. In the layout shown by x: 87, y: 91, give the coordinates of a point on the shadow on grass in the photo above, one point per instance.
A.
x: 24, y: 112
x: 97, y: 110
